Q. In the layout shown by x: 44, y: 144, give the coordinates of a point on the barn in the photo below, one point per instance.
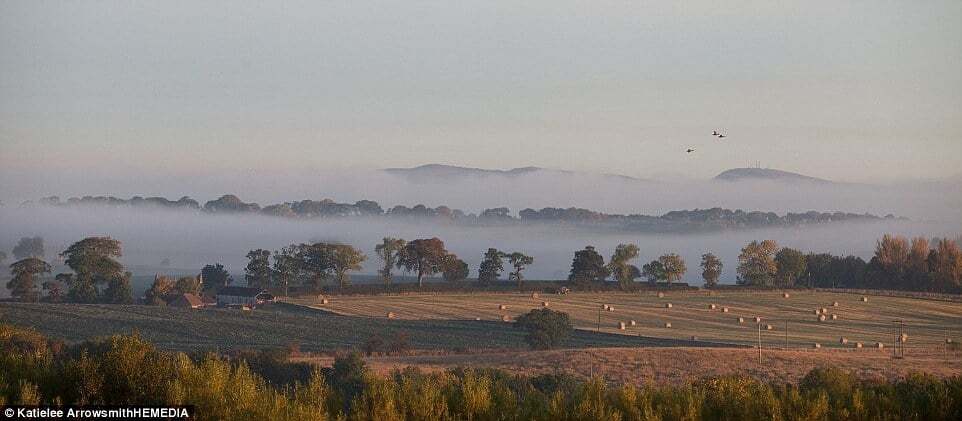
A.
x: 187, y: 301
x: 242, y: 297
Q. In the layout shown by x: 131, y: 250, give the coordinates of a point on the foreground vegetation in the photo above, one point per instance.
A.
x: 129, y: 370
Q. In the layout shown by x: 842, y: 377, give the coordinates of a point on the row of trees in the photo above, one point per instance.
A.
x: 920, y: 264
x: 128, y: 370
x: 97, y: 275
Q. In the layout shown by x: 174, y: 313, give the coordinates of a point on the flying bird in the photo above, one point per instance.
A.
x: 720, y: 135
x: 690, y: 150
x: 715, y: 133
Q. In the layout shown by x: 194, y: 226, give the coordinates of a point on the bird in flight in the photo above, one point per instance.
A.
x: 720, y: 135
x: 690, y: 150
x: 715, y: 133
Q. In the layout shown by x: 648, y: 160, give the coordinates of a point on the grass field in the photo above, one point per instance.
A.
x: 927, y: 322
x: 277, y: 327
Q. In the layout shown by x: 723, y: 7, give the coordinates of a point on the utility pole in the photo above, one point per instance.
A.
x: 599, y: 319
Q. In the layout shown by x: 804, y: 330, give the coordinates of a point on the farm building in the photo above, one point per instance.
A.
x: 187, y: 301
x: 242, y: 296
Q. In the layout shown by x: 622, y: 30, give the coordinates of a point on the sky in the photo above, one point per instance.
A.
x: 98, y: 94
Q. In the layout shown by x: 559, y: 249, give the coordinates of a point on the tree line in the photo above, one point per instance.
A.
x: 673, y: 221
x: 128, y: 370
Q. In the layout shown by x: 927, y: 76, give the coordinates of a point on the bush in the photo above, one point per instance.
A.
x: 546, y: 328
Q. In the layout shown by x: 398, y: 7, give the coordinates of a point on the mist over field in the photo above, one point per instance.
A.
x: 192, y: 239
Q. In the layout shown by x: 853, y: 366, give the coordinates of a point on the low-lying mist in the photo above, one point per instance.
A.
x: 192, y: 239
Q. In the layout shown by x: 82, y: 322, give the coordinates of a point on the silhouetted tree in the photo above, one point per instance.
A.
x: 674, y: 267
x: 258, y: 270
x: 619, y: 266
x: 454, y: 269
x: 518, y: 261
x: 29, y: 247
x: 188, y: 285
x: 23, y: 285
x: 215, y: 276
x: 423, y: 256
x: 491, y: 266
x: 157, y: 294
x: 789, y: 266
x: 711, y: 268
x: 654, y: 271
x: 287, y: 267
x: 388, y: 251
x: 93, y: 261
x: 344, y: 258
x: 756, y: 263
x: 587, y: 266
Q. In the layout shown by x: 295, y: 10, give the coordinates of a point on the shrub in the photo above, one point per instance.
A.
x: 546, y: 328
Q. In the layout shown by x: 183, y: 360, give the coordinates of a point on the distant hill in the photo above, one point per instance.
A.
x: 746, y: 174
x: 442, y: 171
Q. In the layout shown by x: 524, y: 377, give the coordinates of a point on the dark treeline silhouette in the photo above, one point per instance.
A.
x: 920, y: 264
x: 674, y: 221
x: 127, y: 370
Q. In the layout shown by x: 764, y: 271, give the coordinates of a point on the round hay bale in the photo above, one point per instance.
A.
x: 502, y: 307
x: 858, y: 345
x: 712, y: 306
x: 834, y: 317
x: 724, y: 309
x: 667, y: 305
x: 843, y: 340
x: 879, y: 345
x: 661, y: 295
x: 948, y: 341
x: 694, y: 338
x: 535, y: 295
x: 505, y: 318
x: 668, y: 325
x: 903, y: 338
x: 390, y: 315
x: 769, y: 327
x: 817, y: 312
x: 821, y: 318
x: 611, y: 308
x: 604, y: 307
x: 785, y: 295
x: 632, y: 323
x: 621, y: 325
x: 824, y: 310
x: 324, y: 301
x: 816, y: 345
x: 741, y: 320
x: 758, y: 319
x: 544, y: 304
x: 477, y: 319
x: 864, y: 299
x: 834, y: 303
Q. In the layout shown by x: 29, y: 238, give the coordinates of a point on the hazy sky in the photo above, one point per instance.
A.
x: 852, y: 90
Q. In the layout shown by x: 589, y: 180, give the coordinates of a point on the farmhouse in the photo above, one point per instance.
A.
x: 242, y: 296
x: 187, y: 301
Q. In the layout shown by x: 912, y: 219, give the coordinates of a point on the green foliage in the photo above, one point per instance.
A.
x: 454, y: 269
x: 711, y: 268
x: 790, y: 266
x: 258, y: 270
x: 215, y: 276
x: 424, y: 256
x: 619, y: 266
x: 588, y: 267
x: 673, y: 266
x: 654, y: 271
x: 546, y: 328
x: 756, y: 263
x: 23, y: 285
x: 518, y: 261
x: 491, y: 266
x: 126, y: 370
x: 389, y: 251
x: 94, y: 262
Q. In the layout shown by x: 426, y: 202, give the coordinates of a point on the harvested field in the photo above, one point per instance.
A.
x: 928, y: 322
x: 680, y: 364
